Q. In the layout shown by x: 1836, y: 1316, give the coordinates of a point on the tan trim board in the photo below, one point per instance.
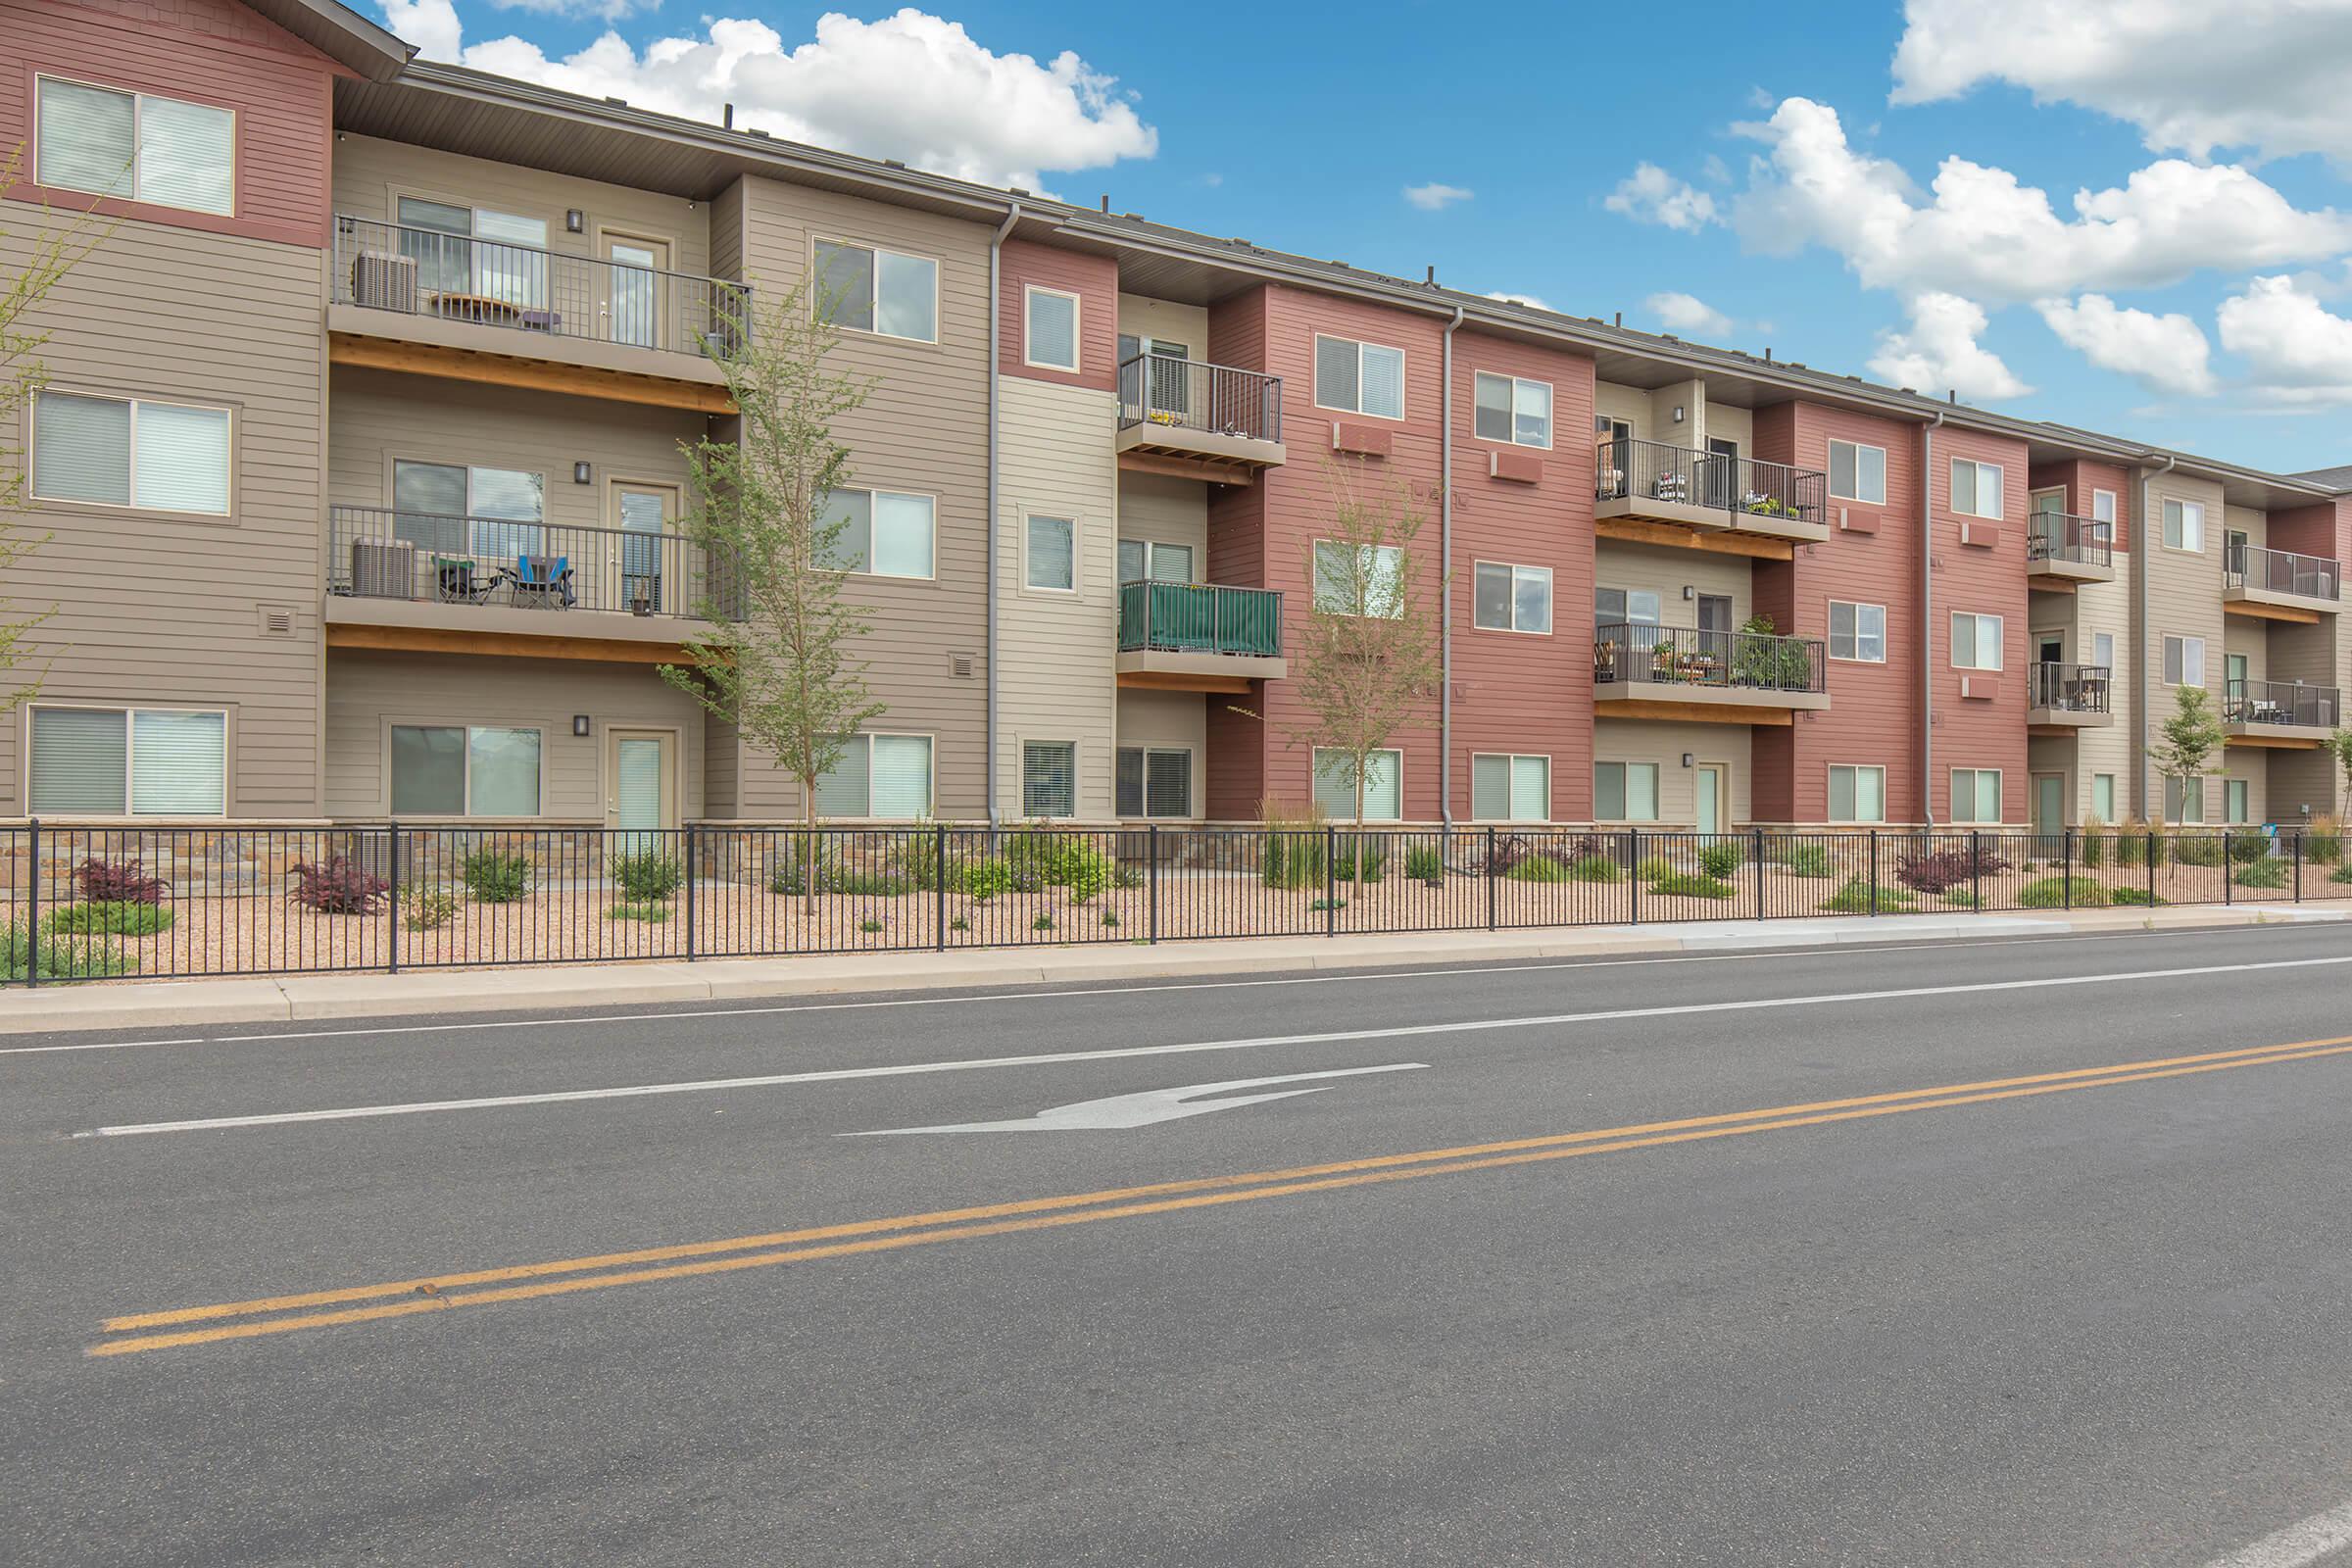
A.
x: 496, y: 645
x: 1696, y: 713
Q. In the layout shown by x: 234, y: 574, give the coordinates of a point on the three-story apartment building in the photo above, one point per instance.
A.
x: 363, y: 460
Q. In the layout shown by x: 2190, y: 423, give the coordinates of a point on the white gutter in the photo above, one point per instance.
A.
x: 1927, y: 619
x: 996, y: 241
x: 2139, y: 616
x: 1445, y: 589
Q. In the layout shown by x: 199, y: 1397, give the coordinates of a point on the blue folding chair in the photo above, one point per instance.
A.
x: 544, y: 581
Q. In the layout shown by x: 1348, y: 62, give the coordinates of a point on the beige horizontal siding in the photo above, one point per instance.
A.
x: 1664, y: 743
x: 1171, y: 719
x: 1667, y: 573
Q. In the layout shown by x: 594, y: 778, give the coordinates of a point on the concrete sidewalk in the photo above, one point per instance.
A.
x: 185, y: 1004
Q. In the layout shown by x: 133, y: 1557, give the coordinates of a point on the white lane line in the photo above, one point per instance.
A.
x: 1469, y: 968
x: 1128, y: 1053
x: 2302, y: 1542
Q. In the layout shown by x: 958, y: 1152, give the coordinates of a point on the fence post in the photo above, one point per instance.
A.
x: 939, y: 900
x: 1330, y: 897
x: 2228, y: 860
x: 1633, y: 872
x: 1755, y: 861
x: 1874, y: 870
x: 1151, y: 878
x: 2149, y: 860
x: 1975, y: 869
x: 2298, y: 865
x: 687, y: 834
x: 33, y: 894
x: 392, y: 895
x: 1491, y: 877
x: 2066, y: 867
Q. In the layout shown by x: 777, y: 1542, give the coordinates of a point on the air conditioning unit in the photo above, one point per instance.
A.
x: 384, y: 282
x: 384, y: 568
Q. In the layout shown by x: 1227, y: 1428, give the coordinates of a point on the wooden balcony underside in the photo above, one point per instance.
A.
x: 1683, y: 713
x: 538, y: 376
x: 1636, y: 531
x: 2257, y: 610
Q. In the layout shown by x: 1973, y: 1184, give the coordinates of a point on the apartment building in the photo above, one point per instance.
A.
x: 363, y: 460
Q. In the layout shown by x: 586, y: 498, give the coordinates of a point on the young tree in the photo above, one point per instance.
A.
x: 2189, y: 744
x: 1364, y: 659
x: 30, y: 266
x: 774, y: 656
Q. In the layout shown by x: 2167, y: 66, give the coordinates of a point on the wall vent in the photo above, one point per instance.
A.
x: 276, y: 620
x: 961, y: 665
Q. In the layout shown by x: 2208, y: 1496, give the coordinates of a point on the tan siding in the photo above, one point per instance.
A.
x: 1654, y: 741
x: 160, y: 607
x: 1727, y: 424
x: 2185, y: 599
x: 1171, y: 719
x: 1613, y: 402
x: 726, y: 232
x: 1188, y: 324
x: 366, y: 692
x: 1665, y: 572
x: 1173, y: 512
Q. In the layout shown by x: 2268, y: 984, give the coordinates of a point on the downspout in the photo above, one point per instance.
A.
x: 2139, y: 636
x: 1927, y: 619
x: 1445, y: 580
x: 996, y: 241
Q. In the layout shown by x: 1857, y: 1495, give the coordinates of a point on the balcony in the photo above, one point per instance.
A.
x: 2279, y: 584
x: 1650, y: 482
x: 2281, y: 714
x: 426, y: 583
x: 2062, y: 551
x: 2061, y: 699
x: 427, y: 302
x: 1196, y: 420
x: 1725, y: 677
x: 1197, y: 637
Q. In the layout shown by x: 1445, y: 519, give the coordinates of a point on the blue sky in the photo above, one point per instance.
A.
x: 2205, y: 302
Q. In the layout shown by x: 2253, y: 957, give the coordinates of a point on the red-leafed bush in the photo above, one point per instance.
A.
x: 1946, y: 870
x: 118, y: 882
x: 336, y: 886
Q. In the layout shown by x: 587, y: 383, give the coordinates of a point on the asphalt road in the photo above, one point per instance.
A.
x: 1707, y: 1259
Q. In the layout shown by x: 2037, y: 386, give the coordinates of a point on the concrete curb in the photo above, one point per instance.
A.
x: 197, y: 1003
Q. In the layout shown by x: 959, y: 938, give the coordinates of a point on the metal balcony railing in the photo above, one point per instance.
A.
x: 2067, y: 688
x: 385, y: 553
x: 2282, y: 571
x: 2060, y: 536
x: 1682, y: 656
x: 422, y: 272
x: 2279, y: 701
x: 1182, y: 617
x: 1192, y: 395
x: 1652, y: 471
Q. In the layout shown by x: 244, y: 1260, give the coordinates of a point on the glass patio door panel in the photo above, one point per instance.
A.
x: 1721, y: 471
x: 641, y: 803
x: 2049, y: 803
x: 645, y: 513
x: 1709, y: 778
x: 635, y: 281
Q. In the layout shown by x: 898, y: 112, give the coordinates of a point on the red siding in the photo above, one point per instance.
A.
x: 1971, y: 733
x: 2078, y: 479
x: 1095, y: 280
x: 2324, y: 529
x: 202, y: 51
x: 1512, y: 691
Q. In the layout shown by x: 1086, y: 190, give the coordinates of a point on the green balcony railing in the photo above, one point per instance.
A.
x: 1183, y: 617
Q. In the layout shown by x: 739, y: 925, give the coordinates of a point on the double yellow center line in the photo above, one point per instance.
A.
x: 522, y: 1282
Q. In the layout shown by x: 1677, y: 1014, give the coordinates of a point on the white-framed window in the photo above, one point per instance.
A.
x: 1050, y: 549
x: 1049, y: 336
x: 1510, y: 788
x: 1154, y: 781
x: 1976, y: 795
x: 476, y: 250
x: 2184, y: 801
x: 2185, y: 661
x: 1368, y: 580
x: 1625, y: 792
x: 1858, y: 632
x: 2102, y: 650
x: 883, y: 533
x: 2102, y: 798
x: 464, y: 769
x: 1627, y: 606
x: 1359, y: 378
x: 1976, y: 641
x: 128, y: 762
x: 2102, y: 506
x: 131, y: 452
x: 882, y: 776
x: 867, y: 289
x: 1154, y: 560
x: 2237, y: 800
x: 2184, y: 526
x: 452, y: 509
x: 1048, y: 778
x: 1858, y: 473
x: 137, y: 146
x: 1513, y: 598
x: 1512, y: 410
x: 1335, y: 785
x: 1857, y: 793
x: 1976, y: 488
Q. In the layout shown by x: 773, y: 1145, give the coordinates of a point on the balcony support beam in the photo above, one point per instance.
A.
x: 1697, y: 712
x: 503, y: 645
x: 1634, y: 531
x: 538, y: 376
x: 1178, y: 467
x: 2255, y: 610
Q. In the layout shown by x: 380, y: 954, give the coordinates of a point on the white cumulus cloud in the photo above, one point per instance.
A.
x: 1651, y: 195
x: 2161, y: 353
x: 2297, y: 350
x: 1687, y: 313
x: 1939, y: 351
x: 601, y: 10
x: 2265, y: 74
x: 910, y: 86
x: 1433, y: 197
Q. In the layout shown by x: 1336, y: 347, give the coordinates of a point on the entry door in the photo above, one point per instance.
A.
x: 1723, y: 473
x: 641, y: 788
x: 646, y: 514
x: 1710, y: 797
x: 634, y: 286
x: 2049, y: 648
x: 2049, y: 804
x: 1715, y: 632
x: 2233, y: 678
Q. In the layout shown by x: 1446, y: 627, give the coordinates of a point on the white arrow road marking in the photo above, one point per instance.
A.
x: 1141, y: 1111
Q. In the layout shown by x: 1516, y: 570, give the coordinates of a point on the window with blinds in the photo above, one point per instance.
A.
x: 882, y: 776
x: 135, y: 145
x: 1508, y: 409
x: 1510, y: 789
x: 1976, y: 641
x: 1509, y: 597
x: 1051, y: 554
x: 130, y: 451
x: 1154, y: 781
x: 465, y: 771
x: 1368, y: 580
x: 1976, y: 795
x: 879, y: 533
x: 1335, y: 785
x: 1150, y: 559
x: 1625, y: 792
x: 870, y: 290
x: 139, y: 762
x: 1359, y: 378
x: 1857, y: 794
x: 1052, y: 343
x: 1048, y: 778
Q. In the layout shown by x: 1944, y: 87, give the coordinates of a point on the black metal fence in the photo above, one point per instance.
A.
x: 94, y: 902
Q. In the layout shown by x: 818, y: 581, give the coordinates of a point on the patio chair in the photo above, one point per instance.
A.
x: 543, y: 582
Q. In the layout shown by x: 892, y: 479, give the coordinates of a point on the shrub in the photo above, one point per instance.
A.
x: 1081, y: 867
x: 2091, y: 848
x: 2196, y: 848
x: 1123, y: 875
x: 2324, y: 840
x: 1322, y: 905
x: 2267, y: 872
x: 1111, y: 917
x: 843, y: 879
x: 1424, y: 863
x: 914, y: 861
x: 1292, y: 853
x: 1543, y: 868
x: 495, y: 876
x: 1807, y: 859
x: 1721, y: 859
x: 1595, y: 868
x: 650, y: 914
x: 1359, y: 860
x: 2050, y: 893
x: 116, y: 918
x: 1043, y: 922
x: 645, y: 876
x: 118, y: 882
x: 1698, y: 885
x: 2245, y: 848
x: 2131, y: 844
x: 61, y: 957
x: 1942, y: 870
x: 1963, y: 898
x: 1654, y: 869
x: 869, y: 927
x: 1855, y: 898
x: 425, y: 908
x: 2129, y: 895
x: 789, y: 876
x: 959, y: 924
x: 336, y: 886
x: 2342, y: 874
x: 982, y: 879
